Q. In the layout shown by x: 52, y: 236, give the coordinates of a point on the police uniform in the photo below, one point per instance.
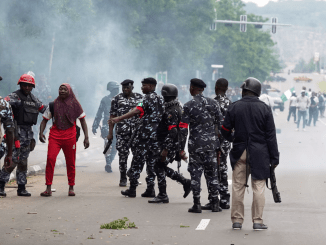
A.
x: 25, y: 109
x: 225, y: 147
x: 104, y: 109
x: 121, y: 105
x: 171, y: 136
x: 202, y: 115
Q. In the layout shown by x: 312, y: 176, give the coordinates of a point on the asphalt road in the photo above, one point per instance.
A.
x: 60, y: 219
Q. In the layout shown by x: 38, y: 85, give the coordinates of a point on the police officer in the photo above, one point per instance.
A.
x: 6, y: 119
x: 120, y: 105
x: 26, y: 108
x: 144, y: 141
x: 203, y: 116
x: 254, y: 151
x: 221, y: 86
x: 170, y: 136
x: 104, y: 108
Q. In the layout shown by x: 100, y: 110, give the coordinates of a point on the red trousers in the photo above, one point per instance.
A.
x: 69, y: 150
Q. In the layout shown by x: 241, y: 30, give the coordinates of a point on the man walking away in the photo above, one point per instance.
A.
x: 313, y: 110
x: 303, y: 104
x: 254, y: 151
x: 293, y: 107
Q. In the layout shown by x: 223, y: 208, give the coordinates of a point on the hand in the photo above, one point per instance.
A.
x: 164, y: 154
x: 110, y: 137
x: 94, y: 131
x: 42, y: 138
x: 183, y: 155
x: 7, y: 162
x: 114, y: 120
x: 86, y: 143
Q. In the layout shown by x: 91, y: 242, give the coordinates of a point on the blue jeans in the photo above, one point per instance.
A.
x: 302, y: 114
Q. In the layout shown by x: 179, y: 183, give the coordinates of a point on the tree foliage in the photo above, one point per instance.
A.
x: 303, y: 67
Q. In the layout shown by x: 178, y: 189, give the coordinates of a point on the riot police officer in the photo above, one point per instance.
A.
x: 26, y: 108
x: 170, y: 136
x: 202, y: 115
x: 144, y: 141
x: 121, y: 104
x: 104, y: 108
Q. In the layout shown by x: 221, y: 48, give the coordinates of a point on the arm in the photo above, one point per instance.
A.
x: 111, y: 127
x: 113, y: 114
x: 42, y: 137
x: 184, y: 128
x: 130, y: 114
x: 98, y: 116
x: 228, y: 126
x: 271, y: 139
x: 85, y: 130
x: 8, y: 125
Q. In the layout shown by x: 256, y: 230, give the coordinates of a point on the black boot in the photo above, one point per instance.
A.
x: 123, y: 179
x: 196, y: 208
x: 22, y: 192
x: 186, y: 187
x: 2, y: 189
x: 216, y: 205
x: 150, y: 192
x: 225, y: 202
x: 162, y: 197
x: 208, y: 206
x: 131, y: 192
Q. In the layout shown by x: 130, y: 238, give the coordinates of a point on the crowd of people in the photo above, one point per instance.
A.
x: 155, y: 128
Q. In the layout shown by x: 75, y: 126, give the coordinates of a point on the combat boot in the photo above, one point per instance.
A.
x: 215, y: 205
x: 186, y: 187
x: 150, y: 192
x: 208, y: 206
x: 131, y: 192
x: 2, y: 189
x: 123, y: 179
x: 225, y: 202
x: 196, y: 208
x: 22, y: 192
x: 162, y: 197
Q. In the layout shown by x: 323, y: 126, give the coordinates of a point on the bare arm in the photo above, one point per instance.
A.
x: 130, y: 114
x: 42, y: 128
x: 85, y: 130
x: 111, y: 127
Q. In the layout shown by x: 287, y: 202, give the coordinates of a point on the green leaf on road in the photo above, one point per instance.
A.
x: 119, y: 224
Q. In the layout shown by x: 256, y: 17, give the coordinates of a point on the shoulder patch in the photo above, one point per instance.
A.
x: 169, y: 116
x: 140, y: 104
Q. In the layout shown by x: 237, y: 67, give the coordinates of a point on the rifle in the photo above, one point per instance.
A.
x: 107, y: 146
x: 276, y: 194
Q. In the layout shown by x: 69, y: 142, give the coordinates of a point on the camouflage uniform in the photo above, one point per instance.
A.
x: 25, y: 136
x: 225, y: 147
x: 145, y: 143
x: 170, y: 140
x: 104, y: 108
x: 202, y: 115
x: 6, y: 119
x: 121, y: 105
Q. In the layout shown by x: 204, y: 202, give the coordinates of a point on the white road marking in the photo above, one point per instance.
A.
x: 321, y: 121
x: 202, y: 225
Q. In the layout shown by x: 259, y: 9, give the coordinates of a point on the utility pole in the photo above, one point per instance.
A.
x: 51, y: 57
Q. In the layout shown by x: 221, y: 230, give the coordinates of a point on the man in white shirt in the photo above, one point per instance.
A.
x: 303, y: 104
x: 293, y: 107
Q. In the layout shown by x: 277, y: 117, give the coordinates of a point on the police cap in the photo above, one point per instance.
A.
x: 127, y: 82
x: 197, y: 83
x: 149, y: 80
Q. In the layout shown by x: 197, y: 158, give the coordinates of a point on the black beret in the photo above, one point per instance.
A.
x: 149, y: 80
x: 127, y: 82
x: 197, y: 83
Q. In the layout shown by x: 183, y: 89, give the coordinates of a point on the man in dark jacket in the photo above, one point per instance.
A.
x: 254, y: 151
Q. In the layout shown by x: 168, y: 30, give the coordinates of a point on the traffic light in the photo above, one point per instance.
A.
x: 274, y: 20
x: 243, y: 26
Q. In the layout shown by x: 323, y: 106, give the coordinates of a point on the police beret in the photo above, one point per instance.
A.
x: 197, y: 83
x: 127, y: 82
x: 149, y: 80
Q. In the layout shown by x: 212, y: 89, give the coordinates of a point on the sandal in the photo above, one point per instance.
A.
x: 71, y: 193
x: 46, y: 194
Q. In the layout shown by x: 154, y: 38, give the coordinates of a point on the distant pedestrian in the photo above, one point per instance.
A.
x: 321, y: 104
x: 302, y: 105
x: 313, y: 110
x: 66, y: 110
x: 293, y: 107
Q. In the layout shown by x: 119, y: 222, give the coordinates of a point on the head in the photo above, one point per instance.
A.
x: 314, y: 94
x: 63, y: 92
x: 253, y: 85
x: 26, y: 83
x: 26, y: 88
x: 221, y: 86
x: 197, y: 86
x: 113, y: 87
x: 294, y: 94
x: 127, y: 87
x: 303, y: 93
x: 169, y: 92
x: 148, y: 85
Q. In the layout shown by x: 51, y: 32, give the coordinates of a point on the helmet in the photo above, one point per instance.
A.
x: 169, y: 90
x: 26, y: 79
x: 112, y: 85
x: 252, y: 84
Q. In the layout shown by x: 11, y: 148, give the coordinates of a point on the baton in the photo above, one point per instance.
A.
x: 107, y: 146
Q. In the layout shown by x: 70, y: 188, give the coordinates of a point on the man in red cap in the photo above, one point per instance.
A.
x: 26, y: 108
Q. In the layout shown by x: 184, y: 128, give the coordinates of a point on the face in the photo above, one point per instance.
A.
x: 26, y: 87
x: 303, y: 94
x: 146, y: 88
x: 63, y: 92
x: 127, y: 89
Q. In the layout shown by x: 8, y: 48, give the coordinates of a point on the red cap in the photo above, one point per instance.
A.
x: 26, y: 79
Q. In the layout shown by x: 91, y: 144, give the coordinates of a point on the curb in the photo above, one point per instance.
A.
x: 40, y: 168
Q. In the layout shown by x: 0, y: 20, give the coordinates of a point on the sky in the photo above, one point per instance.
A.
x: 260, y: 3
